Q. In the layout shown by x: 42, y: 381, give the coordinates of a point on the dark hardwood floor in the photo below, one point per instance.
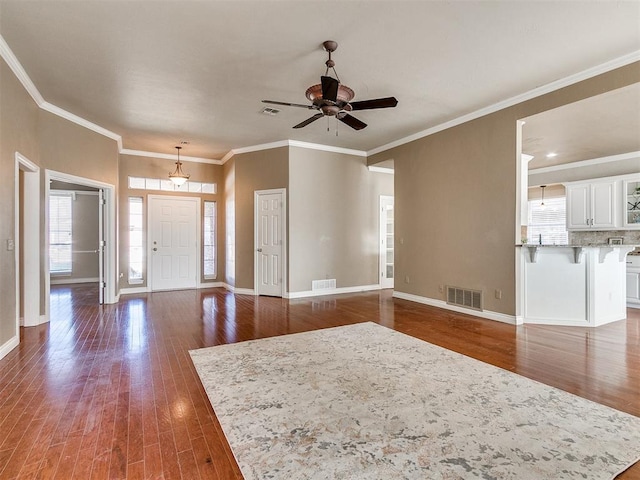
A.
x: 110, y: 391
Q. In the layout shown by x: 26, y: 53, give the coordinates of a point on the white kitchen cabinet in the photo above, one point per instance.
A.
x: 631, y: 193
x: 592, y: 205
x: 633, y: 288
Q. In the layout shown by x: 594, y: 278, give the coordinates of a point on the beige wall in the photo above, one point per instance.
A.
x: 51, y: 143
x: 333, y: 219
x: 455, y: 199
x: 147, y: 167
x: 18, y: 132
x: 262, y: 170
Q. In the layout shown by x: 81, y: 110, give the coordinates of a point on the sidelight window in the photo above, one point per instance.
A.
x: 136, y: 247
x: 209, y: 240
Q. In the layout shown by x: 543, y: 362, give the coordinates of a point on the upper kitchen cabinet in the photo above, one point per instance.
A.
x: 611, y: 203
x: 592, y: 205
x: 631, y: 190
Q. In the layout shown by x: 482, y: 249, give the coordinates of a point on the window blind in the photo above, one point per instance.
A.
x: 60, y: 233
x: 548, y: 222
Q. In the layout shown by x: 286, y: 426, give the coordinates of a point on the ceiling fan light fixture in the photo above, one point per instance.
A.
x: 314, y: 94
x: 178, y: 177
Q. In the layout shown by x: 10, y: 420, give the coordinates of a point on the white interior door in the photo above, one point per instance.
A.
x: 269, y: 227
x: 386, y: 242
x: 173, y: 242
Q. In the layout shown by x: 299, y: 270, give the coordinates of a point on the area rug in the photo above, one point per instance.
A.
x: 366, y: 402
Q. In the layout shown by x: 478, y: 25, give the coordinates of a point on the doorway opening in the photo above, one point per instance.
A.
x: 27, y: 243
x: 93, y: 252
x: 386, y: 242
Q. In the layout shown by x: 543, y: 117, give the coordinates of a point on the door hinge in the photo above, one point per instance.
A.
x: 103, y: 284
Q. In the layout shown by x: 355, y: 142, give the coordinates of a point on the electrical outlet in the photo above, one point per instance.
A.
x: 406, y: 279
x: 441, y: 288
x: 498, y: 294
x: 11, y: 244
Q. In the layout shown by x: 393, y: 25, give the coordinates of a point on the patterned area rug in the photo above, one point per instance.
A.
x: 366, y: 402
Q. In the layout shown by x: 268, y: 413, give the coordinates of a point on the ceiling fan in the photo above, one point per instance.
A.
x: 334, y: 99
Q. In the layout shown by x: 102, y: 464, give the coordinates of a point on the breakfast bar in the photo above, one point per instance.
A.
x: 578, y: 285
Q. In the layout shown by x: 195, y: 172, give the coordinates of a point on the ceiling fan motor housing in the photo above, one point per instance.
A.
x: 345, y: 95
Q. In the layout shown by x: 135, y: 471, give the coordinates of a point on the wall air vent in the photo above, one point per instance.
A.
x: 327, y: 284
x: 270, y: 111
x: 463, y: 297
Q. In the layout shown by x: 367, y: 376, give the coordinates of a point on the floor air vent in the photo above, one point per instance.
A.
x: 327, y: 284
x: 463, y: 297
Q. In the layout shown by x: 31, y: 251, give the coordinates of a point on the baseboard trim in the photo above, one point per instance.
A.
x: 212, y: 285
x: 241, y: 291
x: 489, y: 315
x: 133, y: 290
x: 40, y: 319
x: 332, y: 291
x: 9, y: 345
x: 67, y: 281
x: 633, y: 305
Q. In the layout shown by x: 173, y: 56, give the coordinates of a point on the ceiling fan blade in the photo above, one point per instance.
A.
x: 387, y: 102
x: 286, y: 104
x: 353, y: 122
x: 309, y: 120
x: 329, y: 88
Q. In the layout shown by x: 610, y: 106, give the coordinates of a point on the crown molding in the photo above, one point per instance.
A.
x: 387, y: 170
x: 82, y: 122
x: 169, y: 156
x: 293, y: 143
x: 509, y: 102
x: 327, y: 148
x: 19, y: 71
x: 16, y: 67
x: 587, y: 163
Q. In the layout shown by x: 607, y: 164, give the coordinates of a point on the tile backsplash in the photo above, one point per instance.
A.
x: 630, y: 237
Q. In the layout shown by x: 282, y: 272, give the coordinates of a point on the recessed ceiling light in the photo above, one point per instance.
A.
x: 552, y: 154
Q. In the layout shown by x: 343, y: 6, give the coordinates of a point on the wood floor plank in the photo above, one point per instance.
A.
x: 110, y: 391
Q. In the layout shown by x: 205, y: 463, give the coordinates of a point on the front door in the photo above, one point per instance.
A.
x: 173, y: 242
x: 269, y: 225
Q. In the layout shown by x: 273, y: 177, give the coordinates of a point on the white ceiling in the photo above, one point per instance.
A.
x: 597, y: 127
x: 157, y: 72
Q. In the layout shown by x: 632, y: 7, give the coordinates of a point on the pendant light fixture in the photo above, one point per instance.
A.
x: 178, y: 176
x: 542, y: 205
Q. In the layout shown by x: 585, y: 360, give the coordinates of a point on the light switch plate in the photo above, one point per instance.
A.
x: 11, y: 244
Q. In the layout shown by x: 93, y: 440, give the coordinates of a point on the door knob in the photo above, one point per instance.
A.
x: 259, y: 250
x: 155, y: 249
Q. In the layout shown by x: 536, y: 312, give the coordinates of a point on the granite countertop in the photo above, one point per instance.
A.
x: 591, y: 245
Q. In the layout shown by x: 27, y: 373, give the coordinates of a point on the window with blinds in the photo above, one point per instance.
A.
x: 209, y: 240
x: 548, y: 222
x: 60, y: 233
